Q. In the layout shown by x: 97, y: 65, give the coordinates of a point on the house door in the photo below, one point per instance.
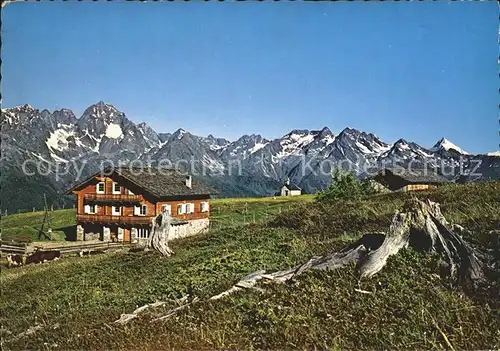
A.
x: 126, y: 235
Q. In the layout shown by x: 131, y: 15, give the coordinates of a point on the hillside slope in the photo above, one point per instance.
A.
x: 408, y: 304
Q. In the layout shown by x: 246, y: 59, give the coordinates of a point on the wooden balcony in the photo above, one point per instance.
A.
x: 112, y: 198
x: 94, y: 218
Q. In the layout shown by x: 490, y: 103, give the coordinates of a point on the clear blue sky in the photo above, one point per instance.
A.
x: 418, y: 70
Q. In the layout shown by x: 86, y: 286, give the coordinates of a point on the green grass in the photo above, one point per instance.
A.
x: 25, y: 226
x: 410, y: 305
x: 225, y: 212
x: 266, y: 200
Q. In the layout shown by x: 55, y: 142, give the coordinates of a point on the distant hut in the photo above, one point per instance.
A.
x: 290, y: 189
x: 404, y: 180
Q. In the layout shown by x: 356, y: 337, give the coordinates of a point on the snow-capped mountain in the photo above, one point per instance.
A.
x: 446, y: 145
x: 250, y: 165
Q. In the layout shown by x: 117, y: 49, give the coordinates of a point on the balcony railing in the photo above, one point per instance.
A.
x: 94, y: 218
x: 112, y: 197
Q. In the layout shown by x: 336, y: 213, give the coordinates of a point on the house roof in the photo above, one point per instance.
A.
x: 159, y: 182
x: 292, y: 186
x: 414, y: 176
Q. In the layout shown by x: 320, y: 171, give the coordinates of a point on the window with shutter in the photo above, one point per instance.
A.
x: 143, y: 210
x: 166, y: 208
x: 116, y: 210
x: 86, y: 209
x: 116, y: 188
x: 100, y: 188
x: 204, y: 206
x: 137, y: 210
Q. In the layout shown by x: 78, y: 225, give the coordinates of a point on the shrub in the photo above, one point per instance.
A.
x: 345, y: 185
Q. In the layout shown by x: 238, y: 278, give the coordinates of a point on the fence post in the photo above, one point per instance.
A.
x: 52, y: 208
x: 33, y: 209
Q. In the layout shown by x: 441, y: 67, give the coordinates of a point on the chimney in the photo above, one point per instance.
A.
x: 189, y: 181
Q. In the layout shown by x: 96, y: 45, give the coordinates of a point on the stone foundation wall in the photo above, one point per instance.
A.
x: 177, y: 231
x: 193, y: 227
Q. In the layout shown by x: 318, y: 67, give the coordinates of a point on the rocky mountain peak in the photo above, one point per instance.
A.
x: 101, y: 110
x: 325, y: 131
x: 445, y: 145
x: 178, y: 134
x: 25, y: 108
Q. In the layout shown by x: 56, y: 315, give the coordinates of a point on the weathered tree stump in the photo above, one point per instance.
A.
x: 158, y: 240
x: 419, y: 225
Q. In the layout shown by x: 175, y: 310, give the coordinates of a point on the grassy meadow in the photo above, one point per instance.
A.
x: 225, y: 212
x: 25, y: 226
x: 73, y: 302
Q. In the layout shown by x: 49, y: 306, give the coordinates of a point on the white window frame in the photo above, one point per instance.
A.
x: 116, y: 213
x: 167, y: 208
x: 190, y: 208
x: 140, y: 210
x: 121, y: 234
x: 181, y: 209
x: 97, y: 191
x: 87, y: 209
x: 115, y: 192
x: 204, y: 206
x: 142, y: 233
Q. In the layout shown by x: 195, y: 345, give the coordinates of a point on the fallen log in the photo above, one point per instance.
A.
x: 419, y: 225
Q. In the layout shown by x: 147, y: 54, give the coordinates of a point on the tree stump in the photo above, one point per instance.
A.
x: 158, y: 240
x: 419, y: 225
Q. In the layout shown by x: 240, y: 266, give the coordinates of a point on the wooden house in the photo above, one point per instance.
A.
x: 404, y: 180
x: 118, y: 204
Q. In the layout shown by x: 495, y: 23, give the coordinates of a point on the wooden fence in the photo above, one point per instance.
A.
x: 13, y: 247
x: 24, y: 250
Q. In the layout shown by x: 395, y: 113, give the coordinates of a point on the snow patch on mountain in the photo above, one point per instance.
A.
x: 257, y: 147
x: 8, y: 117
x: 294, y: 142
x: 180, y: 133
x: 328, y: 139
x: 58, y: 139
x: 114, y: 131
x: 363, y: 148
x: 495, y: 154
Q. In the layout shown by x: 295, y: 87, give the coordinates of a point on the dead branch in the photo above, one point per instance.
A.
x: 419, y: 225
